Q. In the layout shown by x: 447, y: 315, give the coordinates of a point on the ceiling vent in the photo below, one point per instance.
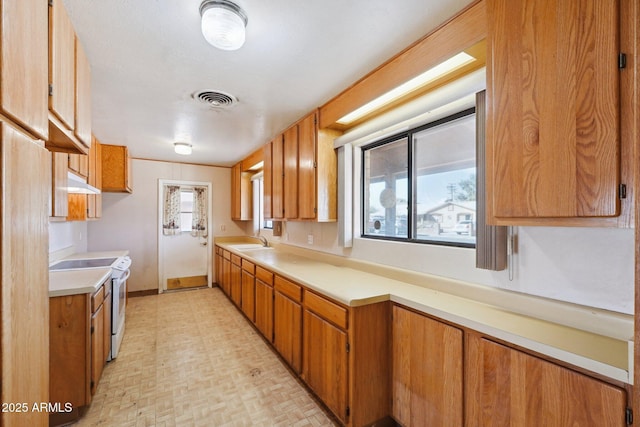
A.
x: 215, y: 99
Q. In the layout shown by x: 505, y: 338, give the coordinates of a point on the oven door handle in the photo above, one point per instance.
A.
x: 126, y: 276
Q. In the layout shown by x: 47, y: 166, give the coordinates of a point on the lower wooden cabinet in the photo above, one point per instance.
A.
x: 427, y: 371
x: 264, y: 302
x: 248, y: 283
x: 326, y: 363
x: 379, y: 361
x: 506, y: 387
x: 79, y: 345
x: 287, y: 322
x: 235, y: 282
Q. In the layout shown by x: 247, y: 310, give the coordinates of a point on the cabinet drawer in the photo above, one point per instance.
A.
x: 326, y: 309
x: 226, y: 254
x: 236, y: 259
x: 248, y: 266
x: 264, y: 275
x: 96, y: 299
x: 288, y: 288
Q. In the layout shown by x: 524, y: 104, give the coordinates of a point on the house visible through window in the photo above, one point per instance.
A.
x: 420, y: 185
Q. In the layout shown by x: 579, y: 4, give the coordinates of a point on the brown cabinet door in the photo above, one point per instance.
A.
x: 82, y: 96
x: 62, y: 69
x: 226, y: 277
x: 307, y: 168
x: 116, y: 169
x: 325, y: 367
x: 277, y: 178
x: 97, y: 347
x: 25, y: 176
x: 236, y: 284
x: 59, y: 195
x: 287, y: 327
x: 267, y: 180
x: 507, y: 387
x: 553, y: 91
x: 427, y: 371
x: 249, y: 295
x: 290, y: 143
x: 24, y: 50
x: 235, y: 191
x: 264, y: 309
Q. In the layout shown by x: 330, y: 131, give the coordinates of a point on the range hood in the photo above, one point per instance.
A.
x: 78, y: 185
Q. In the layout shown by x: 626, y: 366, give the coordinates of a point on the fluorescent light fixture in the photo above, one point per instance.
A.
x: 77, y: 185
x: 183, y: 148
x: 223, y: 24
x: 427, y: 77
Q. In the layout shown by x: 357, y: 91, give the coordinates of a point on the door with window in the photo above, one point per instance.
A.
x: 184, y: 243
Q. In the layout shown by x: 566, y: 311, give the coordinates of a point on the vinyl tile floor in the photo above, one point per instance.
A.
x: 190, y: 358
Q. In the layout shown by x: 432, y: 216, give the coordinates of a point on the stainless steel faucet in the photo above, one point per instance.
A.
x: 264, y: 241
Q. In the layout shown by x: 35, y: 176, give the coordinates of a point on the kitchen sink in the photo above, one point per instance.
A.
x: 245, y: 246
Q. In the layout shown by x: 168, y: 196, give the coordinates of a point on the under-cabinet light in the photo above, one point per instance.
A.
x: 428, y: 76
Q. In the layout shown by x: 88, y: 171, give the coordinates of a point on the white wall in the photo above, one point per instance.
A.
x: 130, y: 221
x: 588, y: 266
x: 71, y: 236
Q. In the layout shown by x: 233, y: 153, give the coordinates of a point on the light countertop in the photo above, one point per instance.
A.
x: 607, y: 351
x: 81, y: 281
x: 73, y: 282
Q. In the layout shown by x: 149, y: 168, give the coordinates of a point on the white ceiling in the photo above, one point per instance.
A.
x: 148, y: 57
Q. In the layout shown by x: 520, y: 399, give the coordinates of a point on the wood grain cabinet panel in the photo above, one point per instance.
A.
x: 326, y: 363
x: 277, y: 178
x: 248, y: 302
x: 267, y: 181
x: 241, y: 194
x: 82, y: 128
x: 287, y: 322
x: 264, y: 308
x: 24, y: 261
x: 553, y: 91
x: 24, y: 44
x: 62, y: 65
x: 317, y: 171
x: 59, y: 195
x: 507, y: 387
x: 427, y: 371
x: 116, y: 169
x: 290, y: 153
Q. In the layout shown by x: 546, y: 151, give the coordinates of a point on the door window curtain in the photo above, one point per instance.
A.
x: 171, y: 209
x: 199, y: 218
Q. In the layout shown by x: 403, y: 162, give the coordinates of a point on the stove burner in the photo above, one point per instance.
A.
x: 75, y: 264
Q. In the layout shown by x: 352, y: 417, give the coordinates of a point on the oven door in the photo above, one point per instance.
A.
x: 118, y: 314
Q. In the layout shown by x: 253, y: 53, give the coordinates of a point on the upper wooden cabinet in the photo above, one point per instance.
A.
x: 553, y: 126
x: 277, y: 178
x: 116, y: 169
x: 94, y: 201
x: 241, y: 194
x: 267, y: 181
x: 82, y: 128
x: 59, y: 204
x: 69, y: 86
x: 23, y: 50
x: 302, y: 173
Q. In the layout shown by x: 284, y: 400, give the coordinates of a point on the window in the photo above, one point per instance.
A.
x: 420, y: 185
x: 186, y: 209
x: 258, y: 200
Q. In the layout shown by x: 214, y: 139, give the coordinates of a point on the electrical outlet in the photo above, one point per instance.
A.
x: 223, y: 227
x: 310, y: 239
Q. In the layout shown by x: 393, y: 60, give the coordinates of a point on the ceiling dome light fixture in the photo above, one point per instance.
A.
x: 223, y: 24
x: 182, y: 148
